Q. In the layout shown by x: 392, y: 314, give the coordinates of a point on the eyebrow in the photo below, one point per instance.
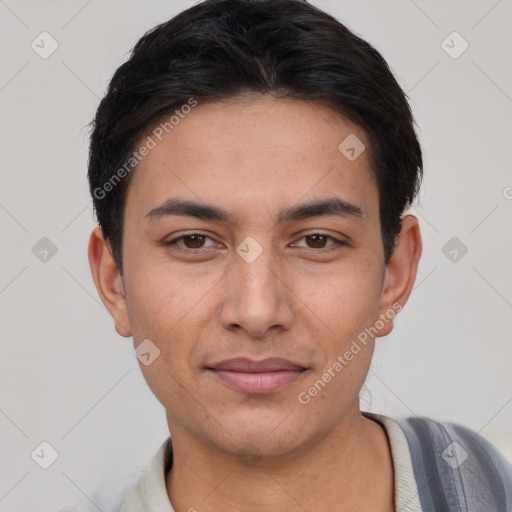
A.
x: 329, y: 206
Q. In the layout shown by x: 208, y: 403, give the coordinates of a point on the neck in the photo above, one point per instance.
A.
x: 348, y: 469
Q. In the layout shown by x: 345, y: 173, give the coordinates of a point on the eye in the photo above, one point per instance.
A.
x: 192, y: 242
x: 319, y: 240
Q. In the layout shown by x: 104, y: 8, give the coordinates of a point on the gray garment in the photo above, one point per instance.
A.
x: 456, y: 469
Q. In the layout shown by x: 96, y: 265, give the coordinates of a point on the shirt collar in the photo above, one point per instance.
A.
x: 406, y: 490
x: 150, y: 493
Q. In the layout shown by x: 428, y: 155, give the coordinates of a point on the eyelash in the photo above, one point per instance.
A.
x: 199, y: 251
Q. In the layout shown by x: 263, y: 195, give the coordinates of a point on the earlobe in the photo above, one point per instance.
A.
x: 401, y: 271
x: 108, y: 281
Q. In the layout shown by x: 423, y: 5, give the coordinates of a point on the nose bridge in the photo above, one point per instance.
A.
x: 259, y: 277
x: 256, y: 274
x: 257, y: 297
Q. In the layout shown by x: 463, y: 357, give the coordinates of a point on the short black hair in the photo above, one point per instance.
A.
x: 219, y: 49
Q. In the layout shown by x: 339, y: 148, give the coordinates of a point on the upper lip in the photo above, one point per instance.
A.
x: 244, y: 364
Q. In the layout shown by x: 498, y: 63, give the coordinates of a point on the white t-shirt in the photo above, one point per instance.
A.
x: 150, y: 494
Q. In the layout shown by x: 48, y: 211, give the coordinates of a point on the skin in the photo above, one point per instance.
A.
x: 302, y: 299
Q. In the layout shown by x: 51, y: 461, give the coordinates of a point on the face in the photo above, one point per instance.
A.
x: 250, y: 273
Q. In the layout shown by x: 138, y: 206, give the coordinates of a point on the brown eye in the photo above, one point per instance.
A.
x: 195, y: 241
x: 318, y: 241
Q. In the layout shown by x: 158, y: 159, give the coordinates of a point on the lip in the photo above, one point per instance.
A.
x: 257, y: 377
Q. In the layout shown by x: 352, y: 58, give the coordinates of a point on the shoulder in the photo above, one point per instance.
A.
x: 455, y: 466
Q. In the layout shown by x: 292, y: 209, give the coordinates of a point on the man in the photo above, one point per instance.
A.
x: 250, y: 167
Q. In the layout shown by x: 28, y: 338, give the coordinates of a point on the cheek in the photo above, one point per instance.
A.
x: 161, y: 297
x: 170, y: 306
x: 347, y: 300
x: 160, y: 310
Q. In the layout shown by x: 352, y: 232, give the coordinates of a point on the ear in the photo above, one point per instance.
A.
x: 108, y: 281
x: 400, y: 272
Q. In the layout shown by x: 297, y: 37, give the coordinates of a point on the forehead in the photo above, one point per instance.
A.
x: 275, y: 151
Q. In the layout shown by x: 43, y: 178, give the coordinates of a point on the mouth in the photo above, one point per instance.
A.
x: 257, y: 377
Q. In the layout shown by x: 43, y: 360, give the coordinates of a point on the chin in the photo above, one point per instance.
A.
x: 262, y: 434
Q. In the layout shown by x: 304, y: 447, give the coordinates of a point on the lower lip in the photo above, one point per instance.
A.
x: 265, y: 382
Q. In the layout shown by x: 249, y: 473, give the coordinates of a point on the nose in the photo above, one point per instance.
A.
x: 258, y: 298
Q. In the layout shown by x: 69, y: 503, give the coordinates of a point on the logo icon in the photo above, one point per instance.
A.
x: 44, y: 45
x: 44, y: 250
x: 249, y: 249
x: 146, y: 352
x: 454, y: 250
x: 44, y: 455
x: 454, y: 455
x: 454, y: 45
x: 249, y: 455
x: 351, y: 147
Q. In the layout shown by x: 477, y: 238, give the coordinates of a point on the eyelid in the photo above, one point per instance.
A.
x: 176, y: 239
x: 335, y: 240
